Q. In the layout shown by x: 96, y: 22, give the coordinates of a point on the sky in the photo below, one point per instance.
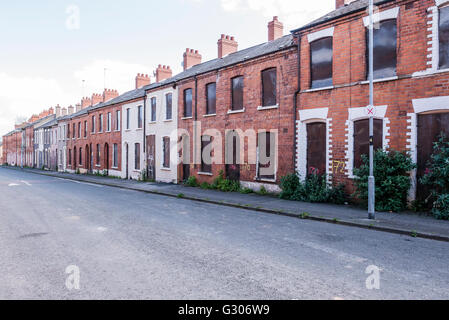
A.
x: 56, y: 52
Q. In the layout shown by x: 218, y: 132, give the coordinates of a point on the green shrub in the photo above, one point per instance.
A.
x: 246, y: 191
x: 225, y: 185
x: 206, y: 186
x: 314, y: 188
x: 191, y: 182
x: 437, y: 177
x: 262, y: 191
x: 392, y: 179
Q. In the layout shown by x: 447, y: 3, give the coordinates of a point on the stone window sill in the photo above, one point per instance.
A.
x: 429, y: 72
x: 165, y: 169
x: 381, y: 80
x: 186, y: 118
x: 260, y: 108
x: 205, y: 174
x: 236, y: 111
x: 209, y: 115
x: 319, y: 89
x: 168, y: 120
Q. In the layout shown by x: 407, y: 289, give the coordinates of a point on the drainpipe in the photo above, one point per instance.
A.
x: 144, y: 130
x: 195, y: 122
x: 295, y: 101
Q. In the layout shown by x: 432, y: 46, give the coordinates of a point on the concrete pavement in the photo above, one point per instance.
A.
x: 128, y: 245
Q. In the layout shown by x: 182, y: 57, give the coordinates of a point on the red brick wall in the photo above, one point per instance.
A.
x: 280, y: 119
x: 349, y: 71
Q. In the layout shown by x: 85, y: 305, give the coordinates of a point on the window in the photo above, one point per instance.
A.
x: 93, y: 124
x: 321, y: 53
x: 187, y: 103
x: 206, y: 155
x: 100, y: 124
x: 269, y: 87
x: 211, y: 98
x: 385, y: 44
x: 139, y: 117
x: 168, y: 106
x: 237, y: 93
x: 74, y: 131
x: 109, y: 125
x: 444, y: 37
x: 98, y: 154
x: 117, y: 120
x: 361, y: 139
x: 137, y: 156
x: 85, y: 129
x: 153, y: 109
x: 127, y: 119
x: 80, y: 156
x: 166, y: 149
x: 266, y: 155
x: 115, y: 156
x: 70, y: 157
x: 79, y: 130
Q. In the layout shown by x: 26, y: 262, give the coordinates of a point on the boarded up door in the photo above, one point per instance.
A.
x: 316, y: 148
x: 361, y: 139
x: 430, y: 126
x: 233, y: 166
x: 151, y: 152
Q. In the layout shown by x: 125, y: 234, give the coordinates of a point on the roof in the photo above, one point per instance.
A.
x: 353, y: 7
x: 44, y: 121
x: 127, y: 96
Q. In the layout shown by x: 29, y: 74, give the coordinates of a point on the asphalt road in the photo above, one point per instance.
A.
x: 132, y: 245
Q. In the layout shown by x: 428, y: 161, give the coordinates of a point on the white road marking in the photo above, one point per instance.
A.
x: 12, y: 185
x: 79, y: 182
x: 102, y: 229
x: 27, y: 183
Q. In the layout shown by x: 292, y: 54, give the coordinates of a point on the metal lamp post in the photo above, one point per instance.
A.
x: 371, y: 181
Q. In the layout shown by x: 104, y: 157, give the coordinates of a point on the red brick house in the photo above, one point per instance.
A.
x: 411, y: 71
x: 226, y: 107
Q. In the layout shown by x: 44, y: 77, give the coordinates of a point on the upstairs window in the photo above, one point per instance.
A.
x: 109, y: 124
x: 100, y: 128
x: 321, y: 55
x: 117, y: 120
x: 139, y: 117
x: 127, y: 119
x: 269, y: 87
x: 74, y: 131
x: 211, y: 98
x: 187, y: 103
x: 385, y: 50
x: 85, y: 129
x: 444, y: 37
x: 93, y: 124
x: 237, y: 93
x: 168, y: 106
x: 153, y: 109
x: 79, y: 130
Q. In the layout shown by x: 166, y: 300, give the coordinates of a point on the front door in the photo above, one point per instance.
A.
x: 106, y: 158
x: 233, y: 167
x: 151, y: 152
x: 316, y: 148
x: 127, y: 161
x: 430, y: 126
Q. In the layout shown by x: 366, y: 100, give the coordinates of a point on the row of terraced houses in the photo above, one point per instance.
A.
x: 294, y: 103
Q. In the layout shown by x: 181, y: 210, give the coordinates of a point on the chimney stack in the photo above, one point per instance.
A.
x: 162, y: 73
x: 78, y: 107
x: 64, y: 112
x: 85, y: 102
x: 109, y: 94
x: 226, y: 45
x: 70, y: 110
x: 96, y: 98
x: 142, y: 80
x: 58, y: 111
x: 275, y: 29
x: 50, y: 111
x: 191, y: 58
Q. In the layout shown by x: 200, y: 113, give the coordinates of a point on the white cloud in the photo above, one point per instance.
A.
x: 21, y: 97
x: 292, y: 13
x: 119, y: 75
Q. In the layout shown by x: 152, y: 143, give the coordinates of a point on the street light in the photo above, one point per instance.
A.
x: 371, y: 181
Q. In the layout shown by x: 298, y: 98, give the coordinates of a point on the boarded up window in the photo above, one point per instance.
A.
x: 206, y: 155
x: 81, y: 156
x: 385, y: 46
x: 361, y: 139
x: 237, y: 93
x: 137, y: 156
x: 316, y: 148
x: 114, y: 156
x: 321, y: 54
x: 269, y: 87
x: 166, y: 147
x: 266, y: 142
x: 98, y: 154
x: 70, y: 157
x: 93, y: 124
x: 168, y: 106
x: 211, y: 99
x: 444, y: 37
x: 188, y: 103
